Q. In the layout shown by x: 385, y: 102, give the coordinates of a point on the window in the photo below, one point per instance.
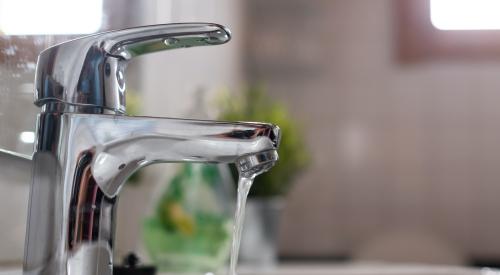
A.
x: 465, y: 14
x: 35, y: 17
x: 448, y: 29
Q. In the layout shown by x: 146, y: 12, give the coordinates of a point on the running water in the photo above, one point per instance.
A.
x: 244, y: 184
x: 248, y: 167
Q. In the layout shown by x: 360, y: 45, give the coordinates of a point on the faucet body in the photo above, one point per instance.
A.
x: 86, y: 147
x: 82, y: 160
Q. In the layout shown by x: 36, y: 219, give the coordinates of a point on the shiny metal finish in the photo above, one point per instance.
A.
x: 82, y: 160
x: 87, y: 74
x: 85, y: 150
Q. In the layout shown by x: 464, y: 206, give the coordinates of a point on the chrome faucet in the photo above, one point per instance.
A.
x: 86, y: 146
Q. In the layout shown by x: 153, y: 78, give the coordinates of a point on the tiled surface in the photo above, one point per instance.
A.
x: 395, y: 147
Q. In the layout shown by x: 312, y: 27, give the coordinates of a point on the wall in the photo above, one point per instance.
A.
x: 396, y: 147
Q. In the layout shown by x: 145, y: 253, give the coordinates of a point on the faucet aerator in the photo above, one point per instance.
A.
x: 254, y: 164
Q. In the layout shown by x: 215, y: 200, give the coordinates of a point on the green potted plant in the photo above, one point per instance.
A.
x: 266, y: 195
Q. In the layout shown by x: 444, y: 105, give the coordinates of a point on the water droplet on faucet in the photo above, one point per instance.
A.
x: 170, y: 41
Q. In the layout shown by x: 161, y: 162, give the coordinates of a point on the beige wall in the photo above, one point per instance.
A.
x: 396, y: 147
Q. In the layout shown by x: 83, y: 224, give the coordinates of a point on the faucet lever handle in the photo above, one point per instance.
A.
x: 137, y: 41
x: 87, y: 74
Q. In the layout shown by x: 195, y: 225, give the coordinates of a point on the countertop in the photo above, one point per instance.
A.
x: 349, y: 269
x: 368, y: 269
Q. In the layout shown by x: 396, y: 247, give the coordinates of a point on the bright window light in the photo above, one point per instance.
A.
x: 465, y: 14
x: 36, y: 17
x: 27, y: 137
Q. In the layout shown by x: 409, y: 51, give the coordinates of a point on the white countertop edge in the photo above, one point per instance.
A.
x: 344, y: 269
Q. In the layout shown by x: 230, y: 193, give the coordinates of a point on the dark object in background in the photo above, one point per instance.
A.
x: 130, y: 267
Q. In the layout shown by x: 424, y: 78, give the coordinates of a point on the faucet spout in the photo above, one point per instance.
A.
x: 134, y: 142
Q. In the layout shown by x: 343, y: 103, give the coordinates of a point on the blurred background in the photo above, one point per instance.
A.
x: 392, y: 105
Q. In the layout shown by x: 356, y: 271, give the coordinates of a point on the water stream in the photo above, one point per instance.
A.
x: 244, y: 184
x: 248, y: 167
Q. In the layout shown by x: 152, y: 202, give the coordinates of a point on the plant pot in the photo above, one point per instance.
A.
x: 260, y: 232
